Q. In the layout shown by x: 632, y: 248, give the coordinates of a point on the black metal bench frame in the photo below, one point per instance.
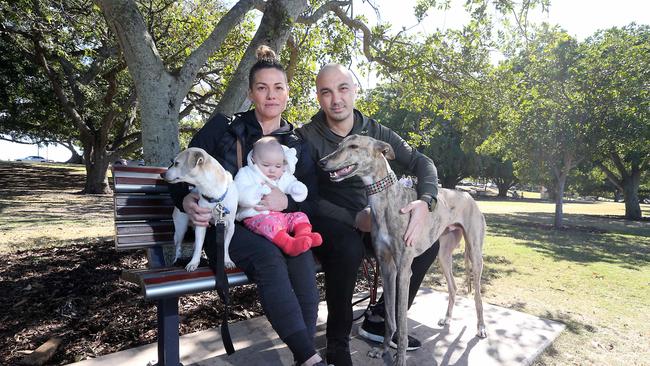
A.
x: 143, y: 210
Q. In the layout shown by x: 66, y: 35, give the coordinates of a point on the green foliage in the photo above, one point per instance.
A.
x: 542, y: 120
x: 26, y: 103
x: 314, y: 45
x: 614, y: 79
x: 71, y: 39
x: 499, y: 170
x: 426, y: 129
x: 590, y: 181
x: 182, y: 29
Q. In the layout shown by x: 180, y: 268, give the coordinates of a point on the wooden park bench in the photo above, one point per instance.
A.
x: 143, y: 220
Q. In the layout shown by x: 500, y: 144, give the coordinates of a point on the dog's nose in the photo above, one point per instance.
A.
x: 322, y: 163
x: 162, y: 175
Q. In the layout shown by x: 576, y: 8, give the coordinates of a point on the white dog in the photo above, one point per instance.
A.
x: 215, y: 187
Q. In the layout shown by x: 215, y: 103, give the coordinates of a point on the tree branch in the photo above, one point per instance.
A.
x: 293, y: 58
x: 193, y: 104
x: 137, y: 45
x: 320, y: 12
x: 84, y: 131
x: 367, y: 36
x: 610, y: 175
x: 618, y: 163
x: 199, y: 56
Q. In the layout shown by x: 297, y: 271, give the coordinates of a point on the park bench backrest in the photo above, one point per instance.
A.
x: 143, y: 208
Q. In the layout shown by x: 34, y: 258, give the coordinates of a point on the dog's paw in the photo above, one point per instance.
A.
x: 228, y: 263
x: 192, y: 266
x: 376, y: 352
x: 482, y: 332
x: 444, y: 322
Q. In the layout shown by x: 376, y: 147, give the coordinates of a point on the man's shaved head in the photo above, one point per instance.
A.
x: 330, y: 68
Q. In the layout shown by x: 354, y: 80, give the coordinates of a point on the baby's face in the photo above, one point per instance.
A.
x: 271, y: 164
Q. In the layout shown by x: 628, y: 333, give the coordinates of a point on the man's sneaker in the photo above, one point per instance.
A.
x: 374, y: 331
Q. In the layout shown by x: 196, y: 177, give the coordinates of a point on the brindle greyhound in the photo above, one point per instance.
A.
x: 456, y: 213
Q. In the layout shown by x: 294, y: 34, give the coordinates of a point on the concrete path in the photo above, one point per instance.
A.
x: 514, y: 338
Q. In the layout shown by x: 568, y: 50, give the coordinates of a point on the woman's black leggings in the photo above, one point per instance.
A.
x: 286, y: 286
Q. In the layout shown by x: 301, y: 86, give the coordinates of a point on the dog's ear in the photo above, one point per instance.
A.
x: 196, y: 159
x: 385, y: 149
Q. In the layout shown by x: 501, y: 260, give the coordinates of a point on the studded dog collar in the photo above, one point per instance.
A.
x: 381, y: 184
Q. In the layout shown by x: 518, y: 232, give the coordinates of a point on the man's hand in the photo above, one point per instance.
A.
x: 274, y: 201
x: 200, y: 216
x: 419, y: 211
x: 363, y: 220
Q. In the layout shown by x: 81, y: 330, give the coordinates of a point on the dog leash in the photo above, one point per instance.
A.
x: 220, y: 273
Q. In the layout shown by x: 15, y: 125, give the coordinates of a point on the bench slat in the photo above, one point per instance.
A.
x: 143, y: 213
x: 143, y: 200
x: 147, y: 234
x: 135, y: 239
x: 139, y: 179
x: 144, y: 227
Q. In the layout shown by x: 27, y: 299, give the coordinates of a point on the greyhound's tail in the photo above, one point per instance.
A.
x: 468, y: 265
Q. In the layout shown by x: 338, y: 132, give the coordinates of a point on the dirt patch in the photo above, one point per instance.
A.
x: 75, y: 293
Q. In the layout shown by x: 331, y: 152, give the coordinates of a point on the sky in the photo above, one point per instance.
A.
x: 580, y: 18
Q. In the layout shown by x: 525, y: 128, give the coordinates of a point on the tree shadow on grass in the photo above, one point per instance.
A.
x: 494, y: 268
x: 18, y: 179
x: 61, y: 210
x: 577, y: 244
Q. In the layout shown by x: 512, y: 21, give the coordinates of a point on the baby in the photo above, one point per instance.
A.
x: 273, y: 164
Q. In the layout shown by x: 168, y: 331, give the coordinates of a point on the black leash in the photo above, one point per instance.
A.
x: 222, y: 283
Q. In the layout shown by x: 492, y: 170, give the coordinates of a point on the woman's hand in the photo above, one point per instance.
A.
x: 274, y: 201
x: 200, y: 216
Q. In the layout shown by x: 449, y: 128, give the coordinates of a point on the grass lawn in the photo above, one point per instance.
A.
x: 40, y: 206
x: 593, y: 276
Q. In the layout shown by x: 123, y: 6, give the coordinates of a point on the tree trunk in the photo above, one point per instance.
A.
x: 75, y: 158
x: 96, y: 161
x: 628, y: 181
x: 631, y: 193
x: 559, y: 200
x: 160, y: 115
x: 503, y: 189
x: 274, y: 30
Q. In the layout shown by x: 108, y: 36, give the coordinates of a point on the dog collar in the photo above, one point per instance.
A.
x: 381, y: 184
x: 217, y: 200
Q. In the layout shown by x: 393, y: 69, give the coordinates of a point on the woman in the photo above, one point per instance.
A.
x: 286, y: 284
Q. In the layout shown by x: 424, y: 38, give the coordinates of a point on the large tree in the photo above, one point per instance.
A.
x: 72, y: 66
x: 545, y: 122
x: 499, y: 170
x: 69, y: 64
x: 616, y: 85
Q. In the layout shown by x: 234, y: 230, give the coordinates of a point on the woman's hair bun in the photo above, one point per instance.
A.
x: 266, y: 54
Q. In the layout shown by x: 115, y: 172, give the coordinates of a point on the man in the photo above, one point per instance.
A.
x: 343, y: 218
